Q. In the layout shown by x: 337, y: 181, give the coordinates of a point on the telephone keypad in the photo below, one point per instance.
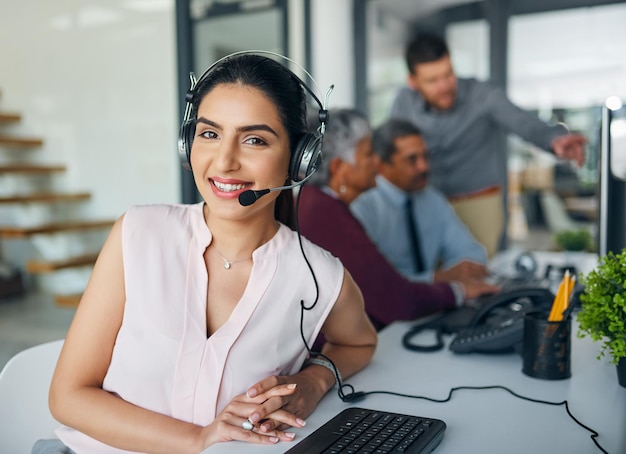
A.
x: 487, y: 339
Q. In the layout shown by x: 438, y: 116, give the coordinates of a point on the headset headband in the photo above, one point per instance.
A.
x: 323, y: 113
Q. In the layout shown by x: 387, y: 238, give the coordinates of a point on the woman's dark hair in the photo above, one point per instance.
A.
x: 425, y: 48
x: 280, y: 86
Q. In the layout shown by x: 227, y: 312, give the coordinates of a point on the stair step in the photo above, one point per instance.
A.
x: 25, y: 232
x: 69, y: 301
x: 9, y: 117
x: 46, y: 197
x: 31, y: 168
x: 41, y: 266
x: 25, y: 142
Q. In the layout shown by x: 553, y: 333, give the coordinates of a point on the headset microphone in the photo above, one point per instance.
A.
x: 250, y: 196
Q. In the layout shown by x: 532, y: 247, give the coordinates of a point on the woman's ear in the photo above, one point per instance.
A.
x: 334, y: 165
x: 335, y: 169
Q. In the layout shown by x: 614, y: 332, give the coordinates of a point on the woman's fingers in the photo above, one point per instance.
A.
x: 272, y: 408
x: 270, y: 387
x: 279, y: 420
x: 232, y: 427
x: 229, y: 427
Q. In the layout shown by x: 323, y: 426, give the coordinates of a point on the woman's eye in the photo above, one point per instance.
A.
x: 208, y: 134
x: 254, y: 141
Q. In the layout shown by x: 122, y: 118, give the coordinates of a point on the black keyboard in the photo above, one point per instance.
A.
x: 357, y: 430
x: 511, y: 283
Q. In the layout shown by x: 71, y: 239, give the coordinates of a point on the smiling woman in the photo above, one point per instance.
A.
x: 191, y: 330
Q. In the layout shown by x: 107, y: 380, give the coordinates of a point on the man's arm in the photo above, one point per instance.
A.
x: 571, y: 147
x: 528, y: 126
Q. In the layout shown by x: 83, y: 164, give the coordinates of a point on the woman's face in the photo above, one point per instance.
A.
x: 361, y: 175
x: 239, y: 144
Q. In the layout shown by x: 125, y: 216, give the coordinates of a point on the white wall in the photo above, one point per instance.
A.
x: 97, y: 81
x: 333, y: 49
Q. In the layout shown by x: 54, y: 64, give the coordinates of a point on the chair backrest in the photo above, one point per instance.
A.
x: 556, y: 216
x: 24, y: 384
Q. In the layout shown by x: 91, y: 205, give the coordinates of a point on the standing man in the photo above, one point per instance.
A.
x: 411, y: 222
x: 465, y: 123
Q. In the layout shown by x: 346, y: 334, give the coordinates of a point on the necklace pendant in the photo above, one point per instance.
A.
x: 227, y: 264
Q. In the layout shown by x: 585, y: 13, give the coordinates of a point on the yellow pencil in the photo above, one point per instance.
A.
x: 557, y: 302
x: 566, y: 294
x: 572, y: 283
x: 570, y: 290
x: 563, y: 303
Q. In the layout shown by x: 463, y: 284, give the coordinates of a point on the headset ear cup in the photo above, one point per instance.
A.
x: 306, y: 157
x: 185, y: 141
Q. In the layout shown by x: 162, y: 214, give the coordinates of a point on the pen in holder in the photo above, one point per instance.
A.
x: 547, y: 347
x: 547, y: 337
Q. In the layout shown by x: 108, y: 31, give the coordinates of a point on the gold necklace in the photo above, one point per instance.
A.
x: 229, y: 263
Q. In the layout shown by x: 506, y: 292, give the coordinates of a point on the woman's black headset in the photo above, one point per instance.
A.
x: 306, y: 153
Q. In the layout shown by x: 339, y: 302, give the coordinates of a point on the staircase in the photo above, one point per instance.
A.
x: 40, y: 229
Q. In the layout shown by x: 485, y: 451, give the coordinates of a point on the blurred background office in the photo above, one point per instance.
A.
x: 92, y: 92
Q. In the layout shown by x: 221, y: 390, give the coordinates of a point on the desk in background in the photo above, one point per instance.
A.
x: 587, y: 207
x: 503, y: 263
x: 485, y: 421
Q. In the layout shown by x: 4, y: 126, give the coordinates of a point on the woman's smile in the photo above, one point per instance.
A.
x: 228, y: 188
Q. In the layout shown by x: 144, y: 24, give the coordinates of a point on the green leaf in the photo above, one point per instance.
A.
x: 603, y: 305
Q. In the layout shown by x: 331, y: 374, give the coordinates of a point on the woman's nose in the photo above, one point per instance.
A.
x: 227, y: 157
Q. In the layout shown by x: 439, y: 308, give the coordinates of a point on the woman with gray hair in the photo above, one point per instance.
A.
x: 348, y: 165
x: 348, y: 169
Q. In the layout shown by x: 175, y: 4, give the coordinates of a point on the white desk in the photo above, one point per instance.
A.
x: 489, y: 421
x: 503, y: 262
x: 485, y: 421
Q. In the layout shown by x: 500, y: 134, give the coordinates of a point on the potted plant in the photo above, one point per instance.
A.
x: 573, y: 240
x: 603, y: 309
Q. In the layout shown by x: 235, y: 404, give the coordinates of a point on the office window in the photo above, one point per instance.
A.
x: 387, y: 72
x: 563, y: 65
x: 570, y: 58
x: 215, y: 37
x: 469, y: 48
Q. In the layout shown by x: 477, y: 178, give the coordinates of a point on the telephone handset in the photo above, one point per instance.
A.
x: 498, y: 323
x: 488, y: 324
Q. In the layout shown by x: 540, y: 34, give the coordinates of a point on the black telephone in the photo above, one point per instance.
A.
x: 489, y: 324
x: 498, y: 324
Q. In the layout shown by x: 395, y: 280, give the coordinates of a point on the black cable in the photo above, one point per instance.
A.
x: 407, y: 339
x: 594, y: 434
x: 349, y: 397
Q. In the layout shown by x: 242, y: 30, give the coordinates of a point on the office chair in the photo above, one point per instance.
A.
x: 24, y: 384
x: 556, y: 216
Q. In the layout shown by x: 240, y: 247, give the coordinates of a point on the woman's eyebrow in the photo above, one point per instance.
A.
x: 208, y: 122
x: 262, y: 126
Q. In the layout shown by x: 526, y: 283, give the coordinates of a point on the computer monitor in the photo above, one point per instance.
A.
x: 612, y: 167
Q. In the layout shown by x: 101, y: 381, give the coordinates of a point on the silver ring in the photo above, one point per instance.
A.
x: 247, y: 425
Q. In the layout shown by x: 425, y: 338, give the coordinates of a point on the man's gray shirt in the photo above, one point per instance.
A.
x: 467, y: 143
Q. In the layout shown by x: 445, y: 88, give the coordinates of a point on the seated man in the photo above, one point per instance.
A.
x: 348, y: 169
x: 412, y: 223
